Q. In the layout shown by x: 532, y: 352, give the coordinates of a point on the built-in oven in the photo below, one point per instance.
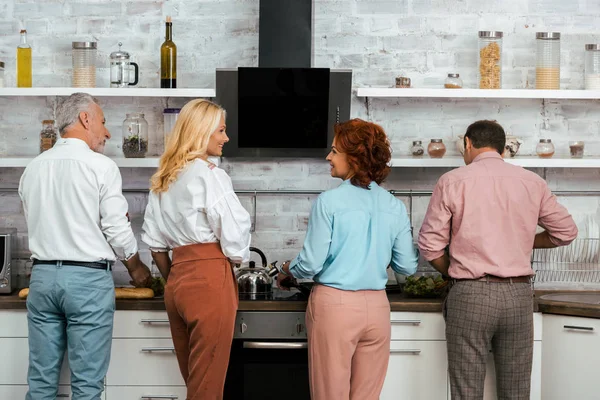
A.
x: 269, y: 357
x: 8, y: 272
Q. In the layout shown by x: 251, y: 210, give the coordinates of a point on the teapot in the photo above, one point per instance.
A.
x: 256, y: 283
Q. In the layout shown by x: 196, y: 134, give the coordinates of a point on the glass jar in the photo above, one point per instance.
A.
x: 576, y: 149
x: 417, y: 149
x: 547, y: 67
x: 402, y: 82
x: 135, y: 136
x: 453, y: 81
x: 545, y: 148
x: 47, y: 135
x: 592, y: 66
x: 436, y: 148
x: 84, y: 64
x: 1, y: 74
x: 490, y: 60
x: 169, y: 118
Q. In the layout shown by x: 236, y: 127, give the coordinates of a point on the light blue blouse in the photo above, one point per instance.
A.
x: 353, y: 235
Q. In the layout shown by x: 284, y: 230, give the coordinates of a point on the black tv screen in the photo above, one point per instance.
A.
x: 283, y: 107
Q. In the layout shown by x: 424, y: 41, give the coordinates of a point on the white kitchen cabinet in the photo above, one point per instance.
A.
x: 418, y: 326
x: 146, y: 392
x: 571, y: 358
x: 141, y: 324
x: 417, y: 371
x: 15, y: 372
x: 18, y: 392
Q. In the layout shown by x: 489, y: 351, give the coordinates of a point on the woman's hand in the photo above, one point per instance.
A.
x: 285, y: 279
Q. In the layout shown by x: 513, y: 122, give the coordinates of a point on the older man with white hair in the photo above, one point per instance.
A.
x: 77, y: 222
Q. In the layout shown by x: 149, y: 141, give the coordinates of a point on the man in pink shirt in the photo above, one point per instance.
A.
x: 487, y: 213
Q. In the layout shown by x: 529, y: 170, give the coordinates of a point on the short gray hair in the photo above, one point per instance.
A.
x: 68, y: 111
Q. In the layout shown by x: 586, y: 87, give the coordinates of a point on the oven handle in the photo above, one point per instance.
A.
x: 275, y: 345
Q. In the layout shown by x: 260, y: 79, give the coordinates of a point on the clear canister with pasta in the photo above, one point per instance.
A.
x: 547, y: 67
x: 592, y: 66
x: 84, y: 64
x: 490, y: 59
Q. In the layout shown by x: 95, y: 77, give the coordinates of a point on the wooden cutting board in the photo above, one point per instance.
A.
x: 120, y: 293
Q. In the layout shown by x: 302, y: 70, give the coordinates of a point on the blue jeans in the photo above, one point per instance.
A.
x: 71, y: 308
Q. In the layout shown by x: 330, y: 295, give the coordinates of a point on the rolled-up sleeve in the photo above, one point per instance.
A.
x: 434, y: 235
x: 151, y: 233
x: 405, y: 258
x: 114, y: 222
x: 314, y: 252
x: 556, y: 220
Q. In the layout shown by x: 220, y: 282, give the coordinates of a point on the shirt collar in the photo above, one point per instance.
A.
x: 71, y: 142
x: 487, y: 155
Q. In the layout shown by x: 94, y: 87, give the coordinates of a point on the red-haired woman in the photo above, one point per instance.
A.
x: 354, y: 232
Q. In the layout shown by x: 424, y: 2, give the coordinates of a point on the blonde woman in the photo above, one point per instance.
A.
x: 193, y: 211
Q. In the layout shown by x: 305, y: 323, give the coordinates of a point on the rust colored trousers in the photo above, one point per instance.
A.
x: 201, y: 301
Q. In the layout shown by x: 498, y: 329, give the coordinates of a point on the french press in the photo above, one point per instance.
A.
x: 121, y: 71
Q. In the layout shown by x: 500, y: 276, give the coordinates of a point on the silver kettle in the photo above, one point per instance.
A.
x: 256, y: 283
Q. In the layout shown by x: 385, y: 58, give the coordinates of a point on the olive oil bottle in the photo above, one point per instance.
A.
x: 168, y: 59
x: 24, y: 62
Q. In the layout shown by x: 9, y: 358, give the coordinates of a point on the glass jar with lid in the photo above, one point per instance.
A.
x: 84, y: 64
x: 592, y: 66
x: 417, y: 149
x: 489, y: 62
x: 545, y: 148
x: 547, y: 67
x: 453, y: 81
x: 135, y: 136
x: 1, y: 74
x: 47, y: 135
x: 436, y: 148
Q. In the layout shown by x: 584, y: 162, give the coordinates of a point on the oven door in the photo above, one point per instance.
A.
x: 268, y: 369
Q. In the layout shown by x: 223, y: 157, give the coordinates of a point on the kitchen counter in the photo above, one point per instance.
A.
x: 577, y: 304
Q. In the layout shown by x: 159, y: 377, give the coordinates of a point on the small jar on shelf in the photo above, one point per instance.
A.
x: 402, y: 82
x: 135, y: 136
x: 436, y: 148
x: 47, y: 135
x: 417, y: 149
x: 545, y: 148
x: 453, y: 81
x: 576, y: 149
x: 1, y: 74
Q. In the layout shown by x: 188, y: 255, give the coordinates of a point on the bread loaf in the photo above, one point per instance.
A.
x: 120, y: 293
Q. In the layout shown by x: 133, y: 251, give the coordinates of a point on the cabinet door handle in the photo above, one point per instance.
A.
x: 154, y: 321
x: 406, y: 321
x: 579, y: 328
x: 160, y: 396
x: 158, y: 349
x: 412, y: 352
x: 275, y: 345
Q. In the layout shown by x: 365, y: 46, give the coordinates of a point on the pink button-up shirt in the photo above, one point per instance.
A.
x: 488, y: 213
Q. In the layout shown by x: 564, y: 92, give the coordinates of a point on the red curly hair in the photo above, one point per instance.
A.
x: 367, y: 149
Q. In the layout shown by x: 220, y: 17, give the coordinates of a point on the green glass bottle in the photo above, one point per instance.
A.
x: 168, y: 59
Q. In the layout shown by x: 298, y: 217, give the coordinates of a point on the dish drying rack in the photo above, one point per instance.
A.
x: 578, y: 262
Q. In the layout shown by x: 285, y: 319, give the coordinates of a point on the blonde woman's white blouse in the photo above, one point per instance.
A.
x: 199, y: 207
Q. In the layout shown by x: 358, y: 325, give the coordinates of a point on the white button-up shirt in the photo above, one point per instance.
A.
x: 74, y: 206
x: 199, y: 207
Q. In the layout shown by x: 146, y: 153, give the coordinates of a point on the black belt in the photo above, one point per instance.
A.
x: 106, y: 265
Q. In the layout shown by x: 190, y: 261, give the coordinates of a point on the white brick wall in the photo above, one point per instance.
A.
x: 378, y: 39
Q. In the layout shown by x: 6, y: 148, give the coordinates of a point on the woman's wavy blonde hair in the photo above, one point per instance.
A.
x: 187, y: 141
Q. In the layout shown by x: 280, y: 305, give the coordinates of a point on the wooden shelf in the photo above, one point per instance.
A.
x: 109, y: 92
x: 478, y: 93
x: 524, y: 161
x: 21, y: 162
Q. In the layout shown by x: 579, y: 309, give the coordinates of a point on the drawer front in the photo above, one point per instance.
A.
x: 143, y: 362
x: 18, y: 392
x: 418, y: 326
x: 146, y: 393
x: 15, y: 372
x: 417, y: 371
x: 141, y: 324
x: 13, y: 323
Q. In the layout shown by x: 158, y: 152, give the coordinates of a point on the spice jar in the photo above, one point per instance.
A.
x: 135, y: 136
x: 547, y: 68
x: 1, y: 74
x: 84, y: 64
x: 436, y: 148
x: 592, y: 66
x: 417, y: 149
x: 490, y: 59
x: 402, y: 82
x: 47, y: 135
x: 545, y: 148
x: 576, y: 149
x: 453, y: 81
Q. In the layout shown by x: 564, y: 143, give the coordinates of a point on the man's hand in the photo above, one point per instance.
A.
x: 138, y: 271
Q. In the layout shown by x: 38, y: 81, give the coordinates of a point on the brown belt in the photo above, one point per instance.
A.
x: 493, y: 278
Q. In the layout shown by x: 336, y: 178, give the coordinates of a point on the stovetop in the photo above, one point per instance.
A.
x: 276, y: 295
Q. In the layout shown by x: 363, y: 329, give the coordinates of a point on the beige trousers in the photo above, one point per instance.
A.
x: 348, y: 343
